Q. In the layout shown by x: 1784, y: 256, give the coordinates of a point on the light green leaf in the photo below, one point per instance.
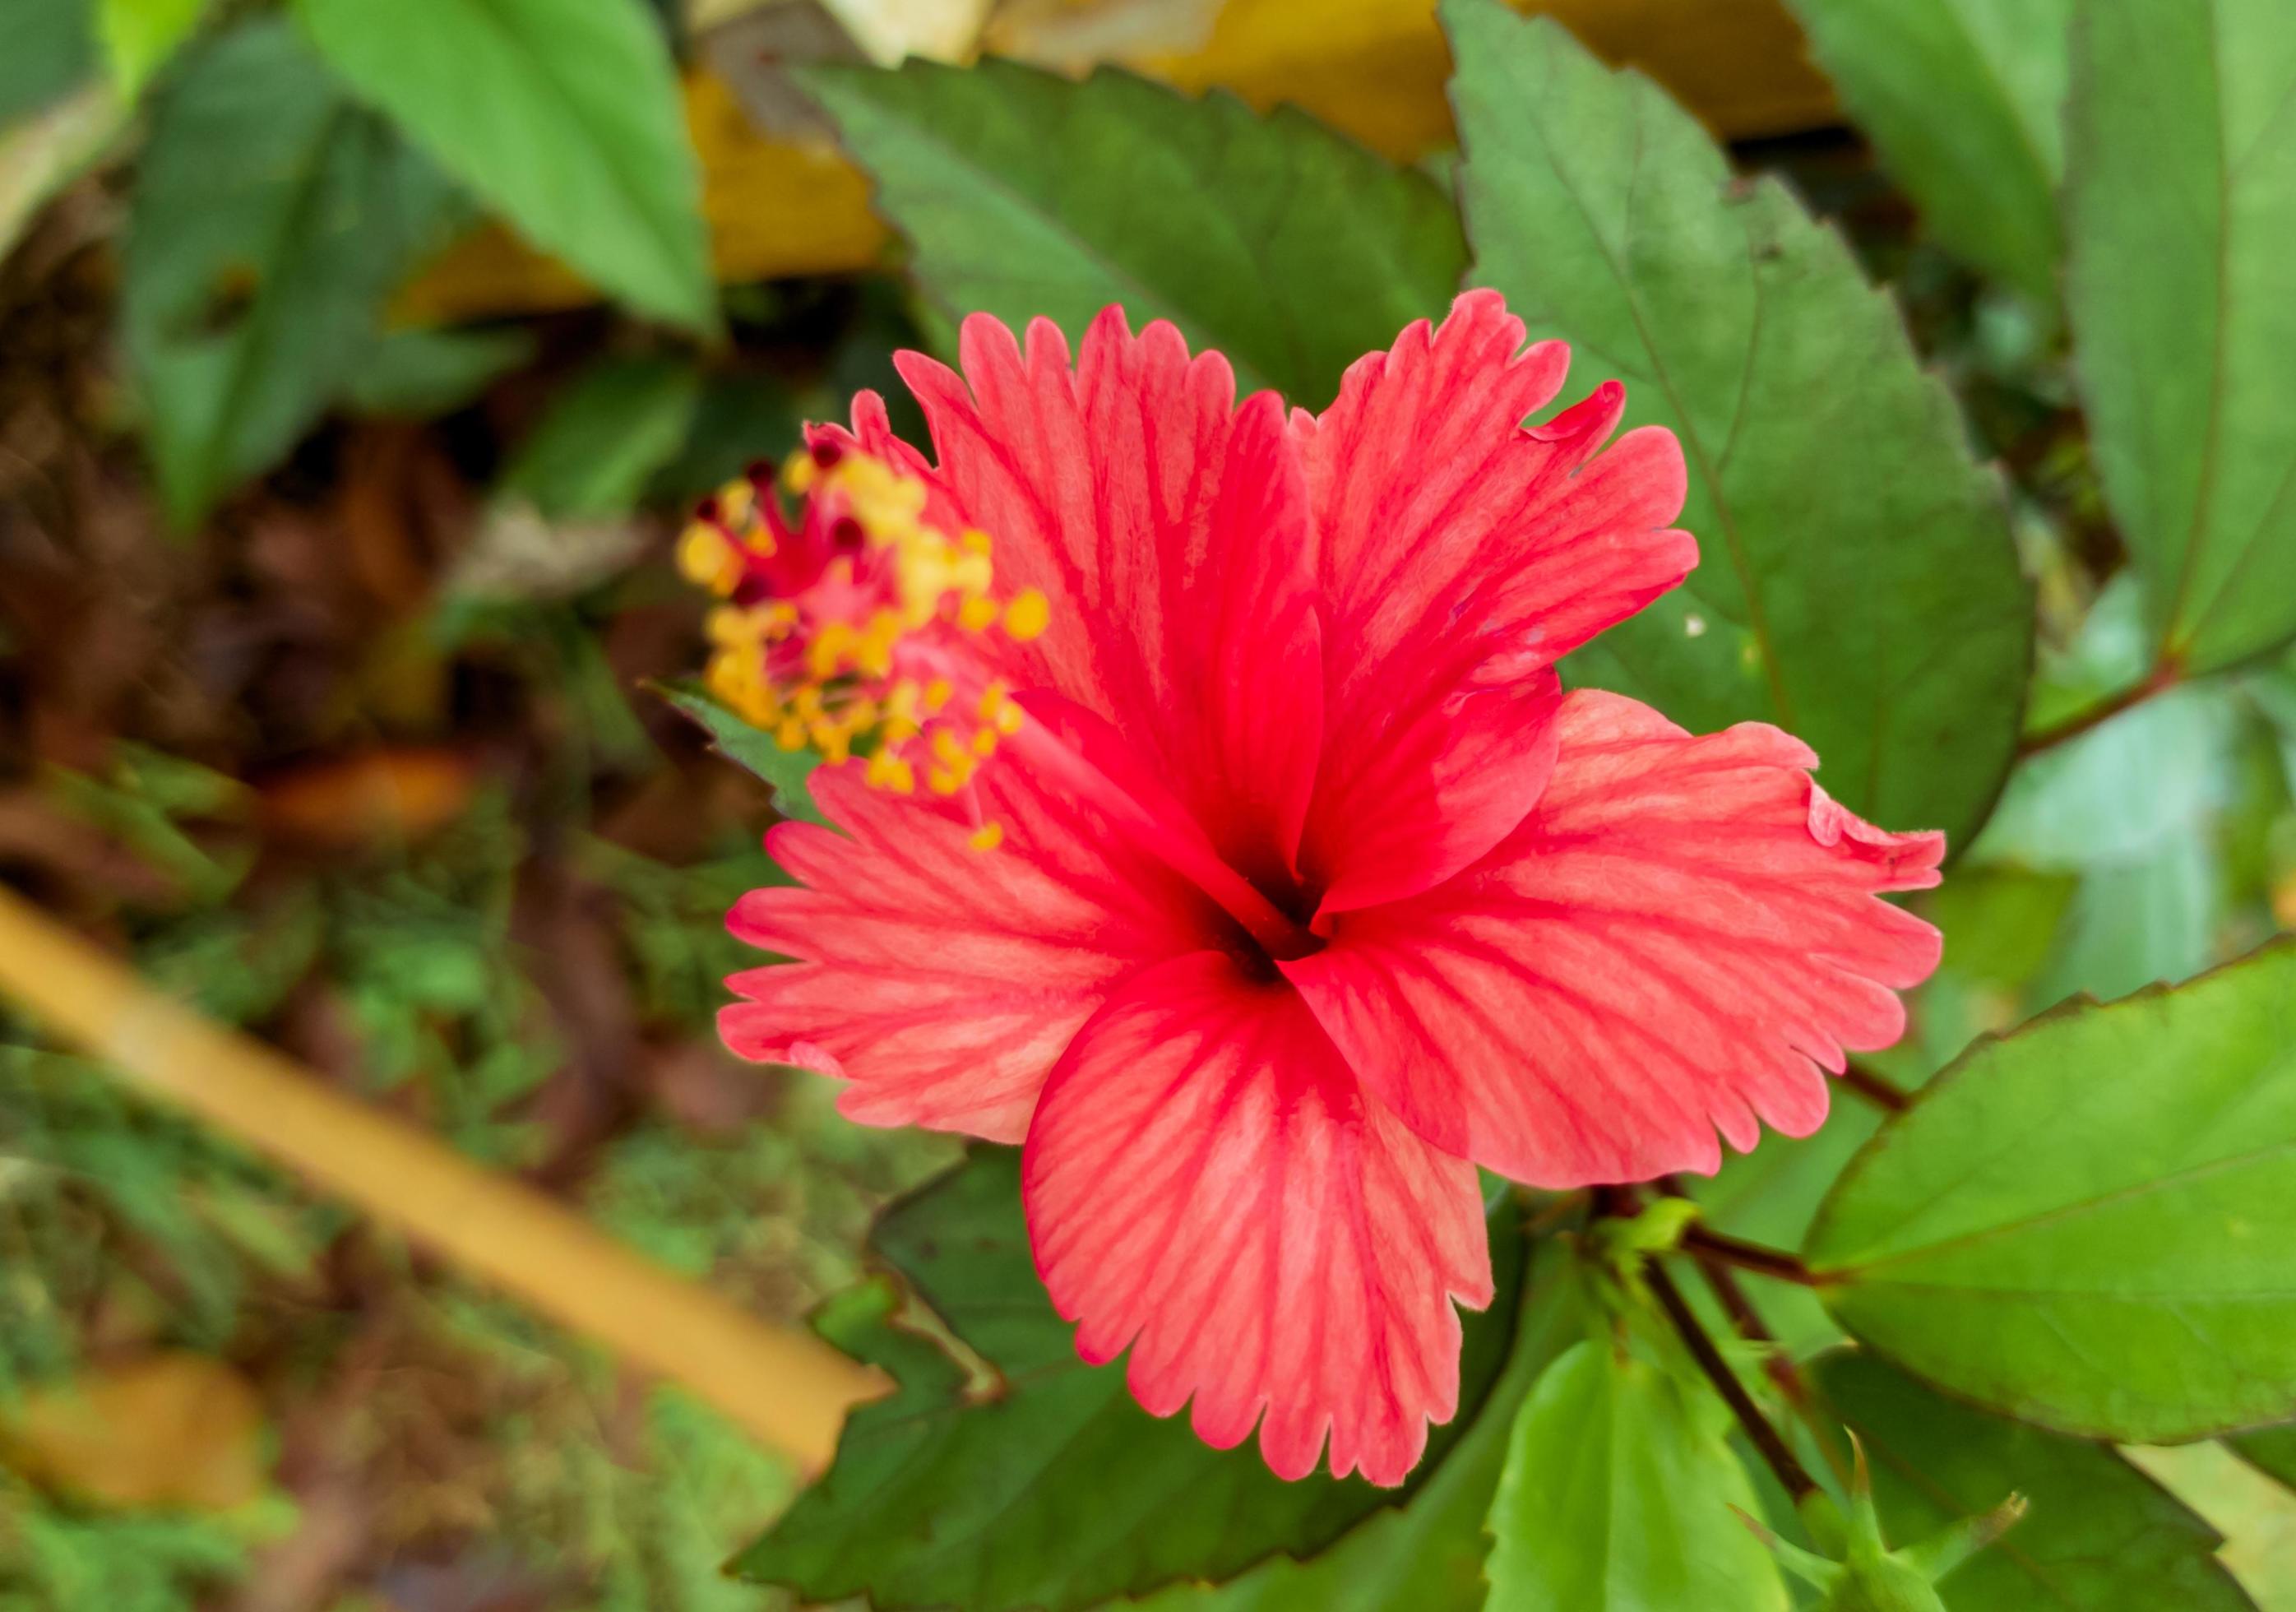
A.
x: 1965, y: 99
x: 563, y: 113
x: 2086, y: 1224
x: 2180, y: 207
x: 749, y: 748
x: 1617, y: 1497
x: 1286, y: 247
x: 271, y: 218
x: 1428, y: 1556
x: 422, y: 372
x: 1051, y: 1488
x: 139, y: 35
x: 1857, y: 585
x: 2098, y: 1535
x: 602, y: 439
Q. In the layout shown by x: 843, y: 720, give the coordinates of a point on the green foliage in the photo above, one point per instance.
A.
x: 604, y: 438
x: 46, y: 49
x: 420, y: 373
x: 2098, y: 1535
x: 1289, y: 249
x: 1618, y: 1496
x: 270, y: 218
x: 2181, y: 204
x: 1858, y: 585
x: 1965, y: 99
x: 749, y: 748
x: 563, y: 113
x: 2086, y: 1224
x: 1053, y: 1487
x: 53, y: 1561
x: 139, y: 35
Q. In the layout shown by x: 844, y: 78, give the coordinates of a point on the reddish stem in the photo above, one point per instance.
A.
x: 2164, y: 676
x: 1876, y: 1088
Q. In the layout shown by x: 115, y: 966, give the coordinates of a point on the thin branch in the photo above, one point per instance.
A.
x: 1783, y: 1463
x: 1776, y: 1263
x: 2166, y: 675
x: 1875, y: 1088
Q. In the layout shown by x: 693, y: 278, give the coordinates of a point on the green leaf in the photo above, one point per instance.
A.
x: 2086, y: 1224
x: 1427, y: 1556
x: 2099, y: 1535
x: 47, y: 48
x: 1286, y: 247
x: 605, y: 436
x: 1858, y: 585
x: 563, y: 113
x: 1965, y: 99
x: 751, y: 748
x: 139, y: 35
x: 2270, y: 1450
x: 1050, y: 1488
x: 422, y: 372
x: 1617, y: 1497
x: 270, y: 219
x: 2180, y: 207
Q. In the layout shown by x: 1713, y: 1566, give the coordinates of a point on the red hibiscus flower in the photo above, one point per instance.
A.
x: 1219, y: 830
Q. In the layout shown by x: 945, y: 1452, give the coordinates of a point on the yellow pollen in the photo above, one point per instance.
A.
x: 988, y: 836
x: 976, y: 613
x: 1027, y: 615
x: 937, y: 694
x: 707, y: 557
x: 984, y: 742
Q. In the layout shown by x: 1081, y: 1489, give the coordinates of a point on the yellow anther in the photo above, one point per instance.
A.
x: 975, y: 541
x: 1012, y: 718
x: 791, y: 735
x: 937, y: 694
x: 1027, y: 615
x: 707, y: 557
x: 984, y: 742
x: 993, y: 699
x: 988, y: 836
x: 799, y: 474
x: 976, y: 613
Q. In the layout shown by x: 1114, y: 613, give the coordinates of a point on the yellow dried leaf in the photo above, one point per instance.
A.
x: 172, y: 1430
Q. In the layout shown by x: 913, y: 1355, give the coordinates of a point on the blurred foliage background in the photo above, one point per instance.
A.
x: 345, y: 418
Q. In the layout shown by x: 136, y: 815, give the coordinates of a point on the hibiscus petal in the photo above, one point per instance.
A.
x: 1395, y: 819
x: 943, y: 981
x: 1207, y: 1184
x: 1459, y: 550
x: 1448, y: 532
x: 1167, y: 526
x: 1677, y: 937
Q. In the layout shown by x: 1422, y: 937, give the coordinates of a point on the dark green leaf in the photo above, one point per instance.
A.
x: 422, y: 372
x: 1965, y: 99
x: 741, y: 418
x: 1858, y: 585
x: 603, y: 437
x: 1289, y: 249
x: 1617, y: 1497
x: 2180, y: 207
x: 750, y: 749
x: 2087, y: 1223
x: 1428, y: 1556
x: 1052, y: 1488
x: 271, y: 218
x: 563, y: 113
x: 2271, y: 1450
x: 2100, y: 1535
x: 46, y: 49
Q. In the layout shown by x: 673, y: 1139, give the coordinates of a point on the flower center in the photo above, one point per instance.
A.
x: 863, y: 630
